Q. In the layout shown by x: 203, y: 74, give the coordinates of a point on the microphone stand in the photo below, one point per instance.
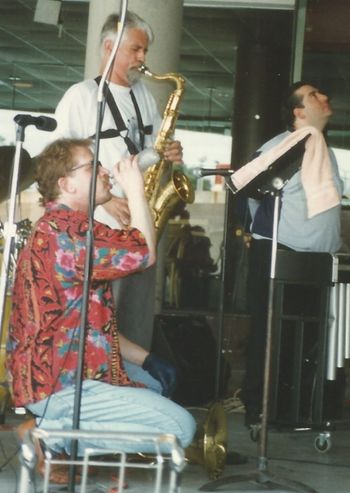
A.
x: 89, y: 249
x: 218, y: 369
x: 262, y: 476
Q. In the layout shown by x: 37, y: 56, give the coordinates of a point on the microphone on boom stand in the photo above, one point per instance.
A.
x: 224, y: 172
x: 215, y: 171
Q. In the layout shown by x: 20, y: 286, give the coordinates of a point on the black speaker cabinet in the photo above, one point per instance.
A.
x: 188, y: 343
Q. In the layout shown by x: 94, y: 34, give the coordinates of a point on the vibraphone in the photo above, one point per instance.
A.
x: 311, y: 338
x: 338, y: 344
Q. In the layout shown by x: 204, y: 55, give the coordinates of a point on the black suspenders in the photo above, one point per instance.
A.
x: 121, y: 130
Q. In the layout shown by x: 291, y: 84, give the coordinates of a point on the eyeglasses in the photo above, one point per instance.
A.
x: 90, y: 163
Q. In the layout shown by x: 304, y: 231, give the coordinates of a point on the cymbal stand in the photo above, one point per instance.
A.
x: 262, y: 476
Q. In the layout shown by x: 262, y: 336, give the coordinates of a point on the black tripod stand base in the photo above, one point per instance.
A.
x: 263, y: 479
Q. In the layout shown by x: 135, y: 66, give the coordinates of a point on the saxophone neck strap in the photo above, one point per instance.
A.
x: 121, y: 129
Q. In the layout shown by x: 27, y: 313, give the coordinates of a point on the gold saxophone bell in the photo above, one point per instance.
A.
x: 209, y: 447
x: 164, y: 187
x: 178, y: 188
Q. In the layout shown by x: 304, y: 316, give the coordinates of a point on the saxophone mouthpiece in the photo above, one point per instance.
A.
x: 144, y: 70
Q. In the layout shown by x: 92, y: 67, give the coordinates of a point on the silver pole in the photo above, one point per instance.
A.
x: 341, y: 322
x: 347, y: 322
x: 332, y: 333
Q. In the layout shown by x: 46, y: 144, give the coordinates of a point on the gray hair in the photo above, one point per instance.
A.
x: 132, y: 21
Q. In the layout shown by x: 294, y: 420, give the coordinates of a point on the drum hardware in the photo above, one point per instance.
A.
x: 13, y: 178
x: 23, y: 231
x: 21, y: 237
x: 4, y: 387
x: 26, y: 173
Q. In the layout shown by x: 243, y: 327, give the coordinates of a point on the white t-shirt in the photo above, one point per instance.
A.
x: 76, y: 116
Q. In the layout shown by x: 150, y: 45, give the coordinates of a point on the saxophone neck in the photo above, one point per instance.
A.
x: 170, y: 76
x: 170, y: 115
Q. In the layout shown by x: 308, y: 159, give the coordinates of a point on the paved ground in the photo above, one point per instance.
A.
x: 291, y: 456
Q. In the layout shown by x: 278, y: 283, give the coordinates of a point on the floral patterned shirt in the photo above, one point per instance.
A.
x: 47, y: 304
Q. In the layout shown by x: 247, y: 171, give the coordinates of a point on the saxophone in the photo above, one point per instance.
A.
x: 164, y: 187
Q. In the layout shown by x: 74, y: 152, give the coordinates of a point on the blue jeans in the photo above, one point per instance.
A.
x: 109, y: 408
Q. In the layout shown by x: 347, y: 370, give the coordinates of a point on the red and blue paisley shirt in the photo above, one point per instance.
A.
x: 47, y: 299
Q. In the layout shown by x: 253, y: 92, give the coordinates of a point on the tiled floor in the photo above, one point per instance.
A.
x: 291, y: 456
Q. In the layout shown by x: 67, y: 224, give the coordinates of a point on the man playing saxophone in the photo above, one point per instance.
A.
x: 130, y: 123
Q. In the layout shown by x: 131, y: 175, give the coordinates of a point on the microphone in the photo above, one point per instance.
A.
x: 147, y: 157
x: 215, y: 171
x: 41, y: 122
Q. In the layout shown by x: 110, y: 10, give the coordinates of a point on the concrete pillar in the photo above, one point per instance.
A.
x: 262, y: 75
x: 165, y: 18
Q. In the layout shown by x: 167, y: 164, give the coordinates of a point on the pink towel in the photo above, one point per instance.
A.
x: 316, y: 169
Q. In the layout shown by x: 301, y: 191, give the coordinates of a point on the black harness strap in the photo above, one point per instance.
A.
x: 142, y: 129
x: 122, y: 130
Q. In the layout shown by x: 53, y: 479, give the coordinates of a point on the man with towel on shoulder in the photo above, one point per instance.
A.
x: 309, y: 217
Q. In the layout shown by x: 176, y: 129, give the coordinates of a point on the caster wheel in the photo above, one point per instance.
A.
x: 323, y: 443
x: 255, y: 433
